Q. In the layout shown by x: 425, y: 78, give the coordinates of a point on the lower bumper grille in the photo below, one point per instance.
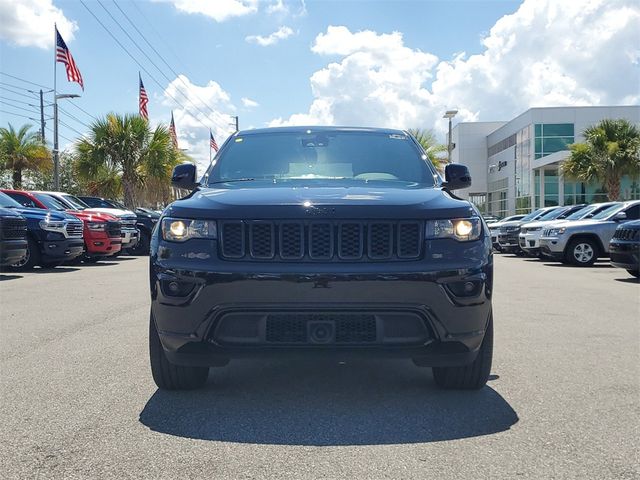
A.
x: 320, y: 328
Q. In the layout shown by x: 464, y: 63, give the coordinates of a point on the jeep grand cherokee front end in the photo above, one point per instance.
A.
x: 321, y: 241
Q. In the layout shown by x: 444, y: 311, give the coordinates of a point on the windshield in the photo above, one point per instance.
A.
x: 326, y: 154
x: 531, y: 216
x: 7, y: 202
x: 552, y: 214
x: 49, y: 202
x: 75, y: 202
x: 607, y: 211
x: 583, y: 212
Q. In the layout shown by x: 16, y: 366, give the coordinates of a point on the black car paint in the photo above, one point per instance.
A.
x: 212, y: 287
x: 13, y: 243
x: 625, y: 252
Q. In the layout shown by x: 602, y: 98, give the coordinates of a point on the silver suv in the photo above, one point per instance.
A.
x: 582, y: 242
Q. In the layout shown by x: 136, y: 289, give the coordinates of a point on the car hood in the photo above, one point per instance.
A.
x: 41, y: 214
x: 92, y: 216
x: 300, y: 201
x: 578, y: 223
x: 116, y: 212
x: 9, y: 212
x: 541, y: 224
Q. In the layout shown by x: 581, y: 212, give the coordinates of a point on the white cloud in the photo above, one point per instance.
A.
x: 29, y: 23
x: 219, y: 10
x: 271, y: 39
x: 248, y: 103
x: 192, y: 107
x: 284, y: 8
x: 547, y: 53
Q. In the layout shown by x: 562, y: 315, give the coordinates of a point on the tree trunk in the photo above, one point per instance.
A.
x: 17, y: 178
x: 613, y: 188
x: 129, y: 193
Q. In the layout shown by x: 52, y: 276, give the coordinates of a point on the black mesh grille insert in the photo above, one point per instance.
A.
x: 292, y: 241
x: 626, y: 234
x: 409, y: 239
x: 380, y: 240
x: 13, y: 228
x: 294, y: 327
x: 321, y: 240
x: 261, y: 240
x: 233, y: 239
x: 350, y: 241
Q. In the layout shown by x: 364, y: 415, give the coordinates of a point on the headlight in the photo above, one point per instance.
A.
x: 554, y: 232
x: 53, y: 225
x: 181, y: 229
x: 462, y: 229
x: 97, y: 226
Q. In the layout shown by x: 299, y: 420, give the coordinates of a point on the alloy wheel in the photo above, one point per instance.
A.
x: 583, y: 252
x: 24, y: 261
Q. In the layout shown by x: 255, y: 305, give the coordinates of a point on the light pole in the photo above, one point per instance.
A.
x: 56, y: 158
x: 449, y: 114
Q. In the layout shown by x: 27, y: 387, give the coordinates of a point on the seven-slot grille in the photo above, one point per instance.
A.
x: 113, y: 229
x: 74, y: 230
x: 627, y: 234
x: 321, y: 240
x: 13, y: 228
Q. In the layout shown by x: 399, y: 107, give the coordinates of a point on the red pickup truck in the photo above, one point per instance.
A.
x: 101, y: 231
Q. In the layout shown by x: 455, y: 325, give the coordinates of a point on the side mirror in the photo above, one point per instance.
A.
x: 184, y: 176
x: 456, y: 177
x: 620, y: 216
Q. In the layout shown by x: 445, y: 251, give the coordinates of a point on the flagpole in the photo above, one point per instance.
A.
x: 209, y: 146
x: 56, y: 173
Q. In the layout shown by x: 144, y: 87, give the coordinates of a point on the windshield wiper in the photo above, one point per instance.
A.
x: 232, y: 180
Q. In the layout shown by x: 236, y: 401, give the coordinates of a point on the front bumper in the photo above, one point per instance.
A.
x: 12, y: 251
x: 99, y: 244
x: 625, y: 255
x: 552, y: 247
x: 66, y: 249
x: 130, y: 238
x: 227, y: 309
x: 530, y: 241
x: 509, y: 240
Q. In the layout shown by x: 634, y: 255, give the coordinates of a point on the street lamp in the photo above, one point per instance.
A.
x: 449, y: 114
x: 56, y: 161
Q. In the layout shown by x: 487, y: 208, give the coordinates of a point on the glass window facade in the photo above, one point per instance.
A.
x: 479, y: 200
x: 552, y: 137
x: 497, y: 201
x: 523, y: 171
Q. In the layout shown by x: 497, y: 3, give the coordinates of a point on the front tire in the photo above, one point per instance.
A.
x: 473, y: 376
x: 31, y: 260
x: 167, y: 375
x: 582, y: 252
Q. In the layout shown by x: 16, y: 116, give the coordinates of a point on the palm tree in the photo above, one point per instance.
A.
x: 433, y: 149
x: 123, y: 152
x: 611, y: 150
x: 22, y: 150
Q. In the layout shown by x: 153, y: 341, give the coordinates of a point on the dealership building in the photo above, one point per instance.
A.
x: 515, y: 166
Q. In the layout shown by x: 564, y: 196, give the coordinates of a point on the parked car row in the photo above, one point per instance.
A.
x: 51, y: 228
x: 575, y: 234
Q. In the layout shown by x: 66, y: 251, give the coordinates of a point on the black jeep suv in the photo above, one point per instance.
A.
x: 321, y: 240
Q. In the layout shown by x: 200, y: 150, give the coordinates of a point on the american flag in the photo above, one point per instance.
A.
x: 143, y: 100
x: 172, y: 132
x: 63, y: 55
x: 212, y: 141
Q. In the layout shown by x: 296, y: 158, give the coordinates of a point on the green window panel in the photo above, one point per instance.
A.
x: 557, y: 130
x: 555, y: 144
x: 538, y: 129
x: 538, y: 146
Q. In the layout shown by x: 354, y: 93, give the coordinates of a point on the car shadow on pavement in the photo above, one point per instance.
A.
x: 326, y: 403
x: 622, y: 280
x: 4, y: 276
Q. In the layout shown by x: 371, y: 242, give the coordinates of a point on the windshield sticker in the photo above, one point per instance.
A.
x: 397, y: 136
x: 238, y: 140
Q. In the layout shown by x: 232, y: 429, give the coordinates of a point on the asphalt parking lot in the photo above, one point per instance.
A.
x: 78, y: 400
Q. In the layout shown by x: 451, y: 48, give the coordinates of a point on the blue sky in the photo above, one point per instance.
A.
x: 341, y: 62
